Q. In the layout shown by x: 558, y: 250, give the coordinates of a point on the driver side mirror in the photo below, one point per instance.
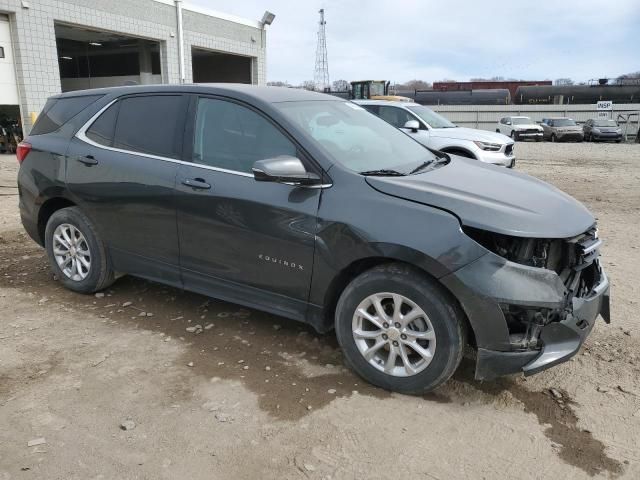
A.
x: 412, y: 125
x: 284, y: 169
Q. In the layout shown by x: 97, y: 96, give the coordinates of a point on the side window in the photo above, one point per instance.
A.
x: 503, y: 121
x: 1, y: 52
x: 395, y: 116
x: 233, y: 137
x: 102, y: 130
x: 149, y: 124
x: 59, y: 111
x: 372, y: 108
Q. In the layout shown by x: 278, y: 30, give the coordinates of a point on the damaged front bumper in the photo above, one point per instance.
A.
x: 552, y: 317
x: 560, y: 340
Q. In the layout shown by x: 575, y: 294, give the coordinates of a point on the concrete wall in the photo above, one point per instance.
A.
x: 35, y: 50
x: 486, y: 117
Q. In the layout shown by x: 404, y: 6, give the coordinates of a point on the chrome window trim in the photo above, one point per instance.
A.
x: 81, y: 135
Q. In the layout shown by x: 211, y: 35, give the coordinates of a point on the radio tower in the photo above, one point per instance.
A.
x: 321, y: 75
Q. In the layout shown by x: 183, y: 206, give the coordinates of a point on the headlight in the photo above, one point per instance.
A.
x: 619, y: 130
x: 596, y: 130
x: 490, y: 147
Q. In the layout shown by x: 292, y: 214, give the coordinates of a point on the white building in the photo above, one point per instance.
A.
x: 50, y: 46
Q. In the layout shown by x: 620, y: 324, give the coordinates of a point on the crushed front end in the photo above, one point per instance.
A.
x: 548, y: 292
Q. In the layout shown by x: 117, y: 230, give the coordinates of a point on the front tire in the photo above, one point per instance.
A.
x: 76, y: 253
x: 399, y: 329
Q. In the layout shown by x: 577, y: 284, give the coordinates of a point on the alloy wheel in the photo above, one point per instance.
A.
x: 393, y: 334
x: 71, y: 252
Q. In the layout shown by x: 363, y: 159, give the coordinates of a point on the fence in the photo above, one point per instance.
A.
x: 486, y: 117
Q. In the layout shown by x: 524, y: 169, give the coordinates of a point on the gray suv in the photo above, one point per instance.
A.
x: 561, y: 129
x: 307, y: 206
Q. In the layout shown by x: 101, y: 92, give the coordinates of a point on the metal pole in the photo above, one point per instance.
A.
x: 180, y: 40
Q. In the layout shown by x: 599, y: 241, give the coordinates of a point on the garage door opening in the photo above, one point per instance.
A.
x: 212, y: 67
x: 94, y: 59
x: 10, y: 123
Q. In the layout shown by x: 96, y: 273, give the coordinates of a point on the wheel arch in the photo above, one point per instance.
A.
x: 357, y: 267
x: 48, y: 208
x: 457, y: 150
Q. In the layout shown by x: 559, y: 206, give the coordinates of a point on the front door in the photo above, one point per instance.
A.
x: 121, y: 170
x: 242, y: 240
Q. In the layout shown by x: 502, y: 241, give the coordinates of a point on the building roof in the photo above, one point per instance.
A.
x: 215, y: 14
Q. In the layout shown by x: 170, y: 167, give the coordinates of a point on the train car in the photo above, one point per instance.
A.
x: 470, y: 97
x: 576, y: 94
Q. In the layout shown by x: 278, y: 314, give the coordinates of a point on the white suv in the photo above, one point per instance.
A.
x: 520, y: 128
x: 438, y: 133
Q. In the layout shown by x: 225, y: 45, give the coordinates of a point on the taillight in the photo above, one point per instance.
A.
x: 22, y: 151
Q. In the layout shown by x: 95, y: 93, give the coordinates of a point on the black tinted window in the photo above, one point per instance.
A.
x: 102, y: 130
x: 371, y: 108
x: 149, y: 124
x: 395, y: 116
x: 233, y: 137
x: 59, y: 111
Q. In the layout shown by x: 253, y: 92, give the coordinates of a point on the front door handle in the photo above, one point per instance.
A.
x: 87, y: 160
x: 196, y: 183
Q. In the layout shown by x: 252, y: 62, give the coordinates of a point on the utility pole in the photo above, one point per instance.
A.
x: 321, y: 75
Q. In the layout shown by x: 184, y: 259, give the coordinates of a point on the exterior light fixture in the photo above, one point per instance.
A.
x: 267, y: 18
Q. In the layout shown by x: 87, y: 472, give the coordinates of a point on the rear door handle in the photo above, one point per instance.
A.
x: 87, y: 160
x: 197, y: 183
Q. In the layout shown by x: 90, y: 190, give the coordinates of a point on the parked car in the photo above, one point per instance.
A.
x: 520, y: 128
x: 307, y: 206
x: 561, y: 129
x: 438, y: 133
x: 596, y: 130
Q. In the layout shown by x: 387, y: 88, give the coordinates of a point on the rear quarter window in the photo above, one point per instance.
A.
x: 58, y: 111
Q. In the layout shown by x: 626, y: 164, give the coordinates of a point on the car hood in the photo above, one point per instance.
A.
x: 492, y: 198
x: 575, y: 128
x: 463, y: 133
x: 527, y: 126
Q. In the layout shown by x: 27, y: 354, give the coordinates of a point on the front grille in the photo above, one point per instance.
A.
x: 532, y: 130
x: 508, y: 151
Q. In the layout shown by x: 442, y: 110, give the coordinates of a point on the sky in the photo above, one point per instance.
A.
x: 401, y: 40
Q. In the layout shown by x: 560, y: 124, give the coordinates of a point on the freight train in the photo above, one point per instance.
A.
x: 525, y: 95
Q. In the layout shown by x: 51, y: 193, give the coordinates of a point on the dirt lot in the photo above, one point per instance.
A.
x: 257, y: 396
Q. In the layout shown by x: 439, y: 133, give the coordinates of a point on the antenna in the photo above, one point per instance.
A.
x: 321, y: 75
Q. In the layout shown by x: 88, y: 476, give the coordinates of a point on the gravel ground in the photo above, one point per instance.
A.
x: 116, y: 387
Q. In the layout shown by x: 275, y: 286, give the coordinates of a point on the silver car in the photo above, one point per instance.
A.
x: 438, y: 133
x: 561, y: 129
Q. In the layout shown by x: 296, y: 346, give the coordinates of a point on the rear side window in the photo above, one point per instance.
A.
x: 102, y: 130
x: 149, y: 124
x: 59, y: 111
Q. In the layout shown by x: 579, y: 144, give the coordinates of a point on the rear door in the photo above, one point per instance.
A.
x: 241, y: 240
x: 121, y: 169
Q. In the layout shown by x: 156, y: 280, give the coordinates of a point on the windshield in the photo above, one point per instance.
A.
x: 521, y: 121
x: 563, y: 122
x: 354, y: 137
x: 605, y: 123
x: 430, y: 117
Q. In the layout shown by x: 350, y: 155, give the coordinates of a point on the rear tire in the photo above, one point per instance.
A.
x: 402, y: 293
x: 76, y: 253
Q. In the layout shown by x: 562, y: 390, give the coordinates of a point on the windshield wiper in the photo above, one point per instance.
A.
x: 422, y: 166
x: 383, y: 173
